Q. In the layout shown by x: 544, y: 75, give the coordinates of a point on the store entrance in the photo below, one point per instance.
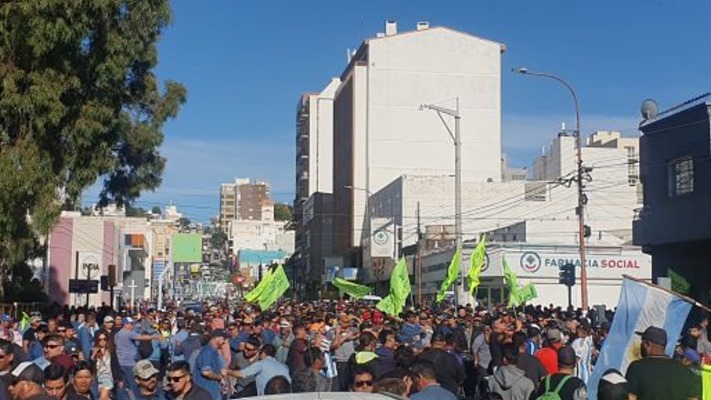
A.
x: 490, y: 292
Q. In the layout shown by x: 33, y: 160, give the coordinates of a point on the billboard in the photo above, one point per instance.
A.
x: 187, y: 247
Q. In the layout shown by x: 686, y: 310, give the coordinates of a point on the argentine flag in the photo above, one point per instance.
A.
x: 641, y: 305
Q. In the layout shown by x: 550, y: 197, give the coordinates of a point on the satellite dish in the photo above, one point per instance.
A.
x: 649, y: 109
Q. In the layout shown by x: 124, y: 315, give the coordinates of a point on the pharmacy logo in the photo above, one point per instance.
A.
x: 485, y: 264
x: 530, y: 262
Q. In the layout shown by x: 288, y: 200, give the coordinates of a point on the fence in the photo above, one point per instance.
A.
x: 16, y: 309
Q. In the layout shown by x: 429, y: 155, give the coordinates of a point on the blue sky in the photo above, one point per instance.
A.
x: 245, y: 63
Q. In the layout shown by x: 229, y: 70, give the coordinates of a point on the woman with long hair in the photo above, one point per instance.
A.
x: 108, y: 371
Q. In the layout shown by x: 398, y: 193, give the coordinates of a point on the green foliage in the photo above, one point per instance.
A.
x: 184, y: 222
x: 78, y: 101
x: 156, y: 210
x: 283, y: 212
x: 218, y: 239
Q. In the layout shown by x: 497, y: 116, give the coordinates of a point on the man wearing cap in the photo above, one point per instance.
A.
x: 450, y: 373
x: 571, y: 387
x: 209, y: 364
x: 549, y: 353
x: 29, y: 336
x: 283, y: 340
x: 146, y: 378
x: 126, y: 351
x: 25, y: 382
x: 657, y: 376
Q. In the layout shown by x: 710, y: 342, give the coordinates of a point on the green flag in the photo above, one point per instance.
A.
x: 399, y: 290
x: 476, y: 262
x: 527, y: 293
x: 452, y: 274
x: 275, y: 288
x: 352, y: 289
x: 679, y: 283
x: 511, y: 282
x: 25, y: 322
x: 254, y: 294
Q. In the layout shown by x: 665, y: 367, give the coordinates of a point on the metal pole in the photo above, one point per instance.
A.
x: 580, y: 209
x: 459, y: 288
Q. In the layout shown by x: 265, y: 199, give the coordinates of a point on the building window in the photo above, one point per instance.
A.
x: 681, y: 176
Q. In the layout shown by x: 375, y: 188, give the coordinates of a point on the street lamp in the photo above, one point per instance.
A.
x: 581, y: 196
x: 456, y: 138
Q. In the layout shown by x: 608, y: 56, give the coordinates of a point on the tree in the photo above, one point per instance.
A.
x: 218, y: 239
x: 156, y: 210
x: 184, y: 222
x: 78, y: 101
x: 283, y: 212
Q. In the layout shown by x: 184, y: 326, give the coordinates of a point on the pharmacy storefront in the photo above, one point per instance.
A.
x: 540, y: 265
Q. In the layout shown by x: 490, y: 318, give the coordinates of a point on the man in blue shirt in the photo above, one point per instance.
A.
x: 126, y: 351
x: 209, y: 364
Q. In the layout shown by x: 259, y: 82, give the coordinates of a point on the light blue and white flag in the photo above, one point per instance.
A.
x: 641, y: 305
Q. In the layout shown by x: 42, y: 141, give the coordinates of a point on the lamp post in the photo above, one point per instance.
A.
x: 456, y: 139
x: 580, y: 209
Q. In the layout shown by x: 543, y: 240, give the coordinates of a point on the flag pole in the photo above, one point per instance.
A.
x: 681, y: 296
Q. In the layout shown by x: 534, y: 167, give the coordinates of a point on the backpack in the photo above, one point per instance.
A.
x: 548, y: 395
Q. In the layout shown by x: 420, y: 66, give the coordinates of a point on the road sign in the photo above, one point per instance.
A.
x: 83, y: 286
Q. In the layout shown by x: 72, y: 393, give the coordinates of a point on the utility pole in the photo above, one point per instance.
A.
x: 419, y: 257
x: 582, y: 199
x: 456, y: 138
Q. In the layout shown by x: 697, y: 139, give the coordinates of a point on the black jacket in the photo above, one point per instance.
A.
x: 450, y: 373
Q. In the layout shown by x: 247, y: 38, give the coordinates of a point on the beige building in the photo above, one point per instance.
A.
x: 244, y: 200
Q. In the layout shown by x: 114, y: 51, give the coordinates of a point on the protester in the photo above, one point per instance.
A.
x: 209, y: 364
x: 427, y: 384
x: 181, y: 385
x: 657, y: 376
x: 450, y: 373
x: 56, y: 381
x: 509, y: 380
x: 26, y: 382
x: 564, y: 382
x: 613, y: 386
x: 145, y: 376
x: 363, y: 380
x: 82, y: 379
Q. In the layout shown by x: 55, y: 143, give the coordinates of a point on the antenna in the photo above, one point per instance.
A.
x: 649, y: 109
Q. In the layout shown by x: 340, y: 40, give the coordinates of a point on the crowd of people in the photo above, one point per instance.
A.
x: 221, y: 350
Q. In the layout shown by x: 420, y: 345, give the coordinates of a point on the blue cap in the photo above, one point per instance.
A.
x: 5, y: 318
x: 692, y: 355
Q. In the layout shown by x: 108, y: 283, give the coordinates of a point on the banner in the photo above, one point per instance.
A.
x: 254, y: 294
x: 640, y: 306
x: 476, y: 262
x: 679, y: 284
x: 511, y: 282
x: 352, y: 289
x: 275, y: 288
x: 527, y: 293
x: 452, y: 274
x: 400, y: 288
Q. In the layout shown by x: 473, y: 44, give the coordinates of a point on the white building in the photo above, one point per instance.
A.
x: 380, y: 132
x: 532, y: 213
x: 314, y: 142
x: 261, y: 235
x: 539, y: 264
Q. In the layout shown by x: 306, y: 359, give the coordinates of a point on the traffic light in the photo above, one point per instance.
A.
x: 587, y: 231
x: 567, y: 275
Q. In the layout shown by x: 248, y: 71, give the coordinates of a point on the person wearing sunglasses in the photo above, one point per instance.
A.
x: 363, y: 378
x: 54, y: 352
x: 181, y: 385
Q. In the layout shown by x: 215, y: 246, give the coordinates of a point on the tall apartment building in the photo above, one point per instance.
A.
x: 381, y: 132
x: 244, y: 200
x: 314, y: 172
